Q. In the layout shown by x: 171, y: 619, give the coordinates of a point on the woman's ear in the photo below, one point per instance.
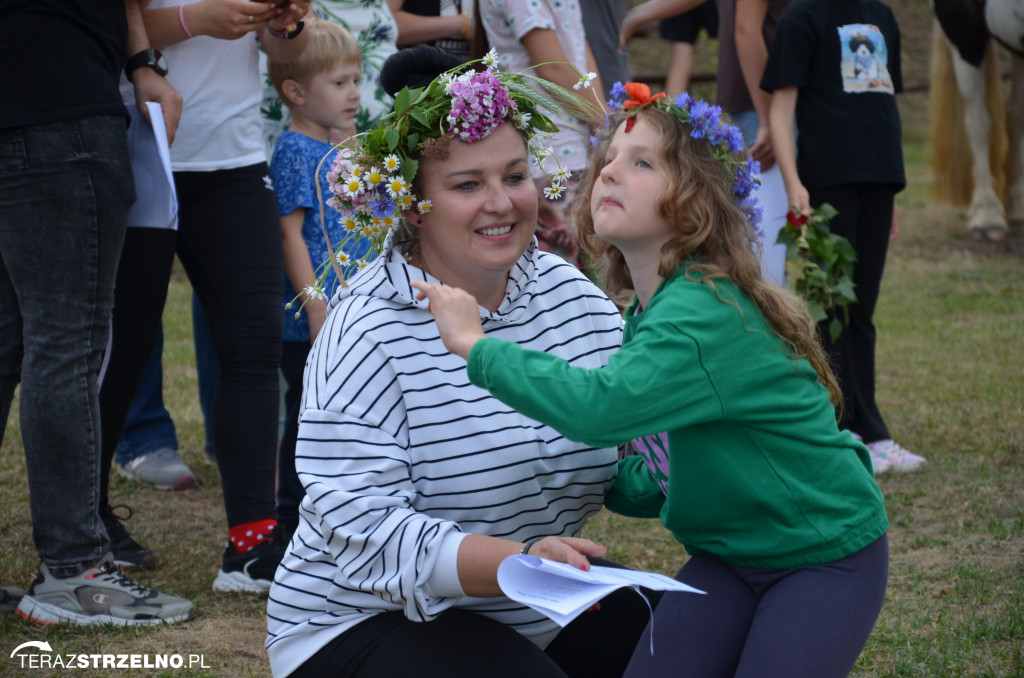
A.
x: 292, y: 91
x: 413, y: 217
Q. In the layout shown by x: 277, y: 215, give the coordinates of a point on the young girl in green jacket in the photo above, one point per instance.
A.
x: 726, y: 396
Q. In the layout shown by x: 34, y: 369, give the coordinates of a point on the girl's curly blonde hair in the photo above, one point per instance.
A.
x: 714, y: 239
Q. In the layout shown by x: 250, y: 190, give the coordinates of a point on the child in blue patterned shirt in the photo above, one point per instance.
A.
x: 321, y: 89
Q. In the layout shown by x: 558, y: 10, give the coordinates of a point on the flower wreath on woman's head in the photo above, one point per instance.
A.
x: 373, y: 183
x: 705, y: 122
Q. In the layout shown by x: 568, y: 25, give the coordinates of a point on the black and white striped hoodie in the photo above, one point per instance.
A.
x: 401, y: 456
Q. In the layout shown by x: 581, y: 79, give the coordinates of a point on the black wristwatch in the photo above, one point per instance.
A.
x: 147, y: 58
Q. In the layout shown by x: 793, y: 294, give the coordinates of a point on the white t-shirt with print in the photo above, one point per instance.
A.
x: 507, y: 21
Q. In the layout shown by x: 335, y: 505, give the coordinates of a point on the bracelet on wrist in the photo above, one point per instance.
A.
x: 289, y: 34
x: 181, y: 18
x: 525, y: 551
x: 464, y: 31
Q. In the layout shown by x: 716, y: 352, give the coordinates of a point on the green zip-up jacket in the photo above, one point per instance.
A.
x: 739, y: 452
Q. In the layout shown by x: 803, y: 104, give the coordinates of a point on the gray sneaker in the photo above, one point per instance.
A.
x: 163, y: 469
x: 99, y: 595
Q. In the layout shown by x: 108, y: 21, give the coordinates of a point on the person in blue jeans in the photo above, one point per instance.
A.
x: 65, y: 189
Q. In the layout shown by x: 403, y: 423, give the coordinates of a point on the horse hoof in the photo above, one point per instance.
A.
x: 989, y: 233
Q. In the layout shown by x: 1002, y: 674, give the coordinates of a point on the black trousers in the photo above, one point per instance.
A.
x: 865, y: 219
x: 229, y: 242
x: 459, y: 643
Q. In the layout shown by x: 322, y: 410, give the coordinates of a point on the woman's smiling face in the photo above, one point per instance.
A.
x: 484, y: 210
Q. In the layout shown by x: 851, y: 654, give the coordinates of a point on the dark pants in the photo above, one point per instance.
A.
x: 865, y: 219
x: 459, y: 643
x: 229, y: 242
x: 804, y: 622
x: 149, y: 426
x: 65, y: 190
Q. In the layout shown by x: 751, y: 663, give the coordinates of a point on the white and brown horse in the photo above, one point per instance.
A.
x: 994, y: 131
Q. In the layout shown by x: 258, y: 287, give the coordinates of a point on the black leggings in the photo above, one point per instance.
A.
x: 461, y: 643
x: 229, y: 242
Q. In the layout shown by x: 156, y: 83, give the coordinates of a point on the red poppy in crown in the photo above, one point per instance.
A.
x: 639, y: 95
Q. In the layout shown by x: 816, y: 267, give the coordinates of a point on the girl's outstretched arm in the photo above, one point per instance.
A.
x: 456, y: 313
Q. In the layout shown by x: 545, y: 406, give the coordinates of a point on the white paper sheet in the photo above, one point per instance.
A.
x: 561, y: 592
x: 156, y: 203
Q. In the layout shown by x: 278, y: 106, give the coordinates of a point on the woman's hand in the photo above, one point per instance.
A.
x: 456, y: 313
x: 229, y: 19
x: 569, y: 550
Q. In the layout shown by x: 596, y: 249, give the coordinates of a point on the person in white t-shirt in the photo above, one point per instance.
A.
x: 229, y: 243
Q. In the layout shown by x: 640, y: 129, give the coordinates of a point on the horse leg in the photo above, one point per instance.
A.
x: 1015, y: 173
x: 985, y: 215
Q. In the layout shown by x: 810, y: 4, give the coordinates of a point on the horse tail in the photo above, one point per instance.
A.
x: 952, y: 158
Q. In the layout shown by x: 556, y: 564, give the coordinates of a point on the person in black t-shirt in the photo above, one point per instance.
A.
x: 835, y: 66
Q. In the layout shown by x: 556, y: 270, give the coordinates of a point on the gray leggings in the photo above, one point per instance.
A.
x: 808, y: 621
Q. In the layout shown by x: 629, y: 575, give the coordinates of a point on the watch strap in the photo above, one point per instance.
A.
x: 147, y: 58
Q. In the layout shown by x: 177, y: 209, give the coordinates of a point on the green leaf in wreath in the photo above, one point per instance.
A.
x: 402, y: 100
x: 409, y: 168
x: 419, y: 116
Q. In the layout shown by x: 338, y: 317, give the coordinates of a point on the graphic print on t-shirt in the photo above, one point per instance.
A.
x: 864, y: 59
x: 654, y: 450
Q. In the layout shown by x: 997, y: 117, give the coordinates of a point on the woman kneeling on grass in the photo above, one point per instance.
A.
x: 724, y: 390
x: 418, y: 483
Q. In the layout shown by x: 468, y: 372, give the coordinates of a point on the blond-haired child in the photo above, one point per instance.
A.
x: 321, y: 89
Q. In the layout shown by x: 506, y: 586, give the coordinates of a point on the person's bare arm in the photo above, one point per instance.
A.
x: 415, y: 28
x: 299, y: 269
x: 652, y: 10
x: 546, y: 52
x: 223, y: 19
x: 150, y: 85
x: 753, y: 55
x: 230, y: 20
x: 480, y: 555
x: 780, y: 117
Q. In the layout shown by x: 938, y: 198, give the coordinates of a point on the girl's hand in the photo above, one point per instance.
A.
x: 800, y: 199
x: 456, y: 313
x: 569, y: 550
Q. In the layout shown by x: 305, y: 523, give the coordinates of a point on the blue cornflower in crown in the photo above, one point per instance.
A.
x: 705, y: 122
x: 372, y: 184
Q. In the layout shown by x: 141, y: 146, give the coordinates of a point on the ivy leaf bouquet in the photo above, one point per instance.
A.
x: 819, y: 264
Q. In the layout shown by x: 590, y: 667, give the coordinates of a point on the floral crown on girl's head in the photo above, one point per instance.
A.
x: 373, y: 183
x: 726, y: 140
